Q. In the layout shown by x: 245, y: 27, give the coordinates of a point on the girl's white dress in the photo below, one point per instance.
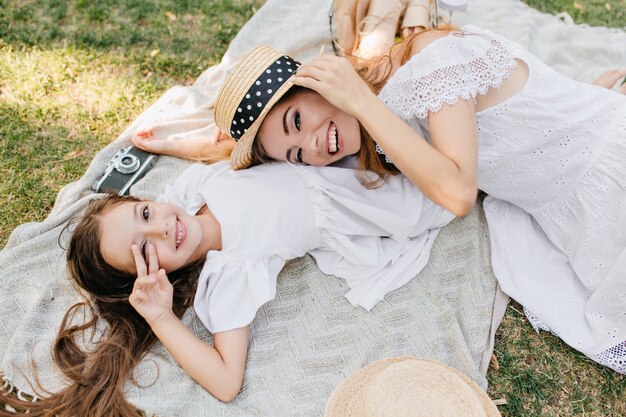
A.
x: 553, y: 160
x: 377, y: 240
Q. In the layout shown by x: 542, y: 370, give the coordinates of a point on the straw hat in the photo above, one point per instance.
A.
x: 409, y: 387
x: 258, y: 81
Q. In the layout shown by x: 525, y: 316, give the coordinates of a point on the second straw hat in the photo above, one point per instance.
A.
x: 256, y: 84
x: 409, y: 387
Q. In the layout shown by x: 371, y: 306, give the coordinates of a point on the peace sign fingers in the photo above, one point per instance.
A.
x: 153, y: 260
x: 152, y: 267
x: 140, y: 263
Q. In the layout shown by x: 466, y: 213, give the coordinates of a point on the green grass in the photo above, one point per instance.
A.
x: 610, y: 13
x: 539, y: 375
x: 74, y: 74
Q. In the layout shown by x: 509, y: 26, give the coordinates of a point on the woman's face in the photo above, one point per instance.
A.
x: 179, y: 239
x: 305, y: 128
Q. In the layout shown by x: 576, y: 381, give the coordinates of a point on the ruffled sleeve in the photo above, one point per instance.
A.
x: 459, y: 66
x: 185, y: 191
x: 266, y: 218
x: 230, y: 293
x: 376, y: 239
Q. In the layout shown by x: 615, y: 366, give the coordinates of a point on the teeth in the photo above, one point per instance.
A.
x: 332, y: 138
x: 179, y: 233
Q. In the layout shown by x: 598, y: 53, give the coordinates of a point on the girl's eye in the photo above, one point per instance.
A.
x: 145, y: 213
x: 296, y: 120
x: 299, y: 155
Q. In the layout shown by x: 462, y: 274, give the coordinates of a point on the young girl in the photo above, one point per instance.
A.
x: 226, y: 234
x: 459, y: 111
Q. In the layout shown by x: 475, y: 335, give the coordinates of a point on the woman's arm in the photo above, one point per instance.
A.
x: 445, y: 172
x: 210, y: 149
x: 218, y: 369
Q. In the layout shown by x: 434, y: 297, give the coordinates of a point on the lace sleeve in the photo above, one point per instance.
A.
x: 461, y: 65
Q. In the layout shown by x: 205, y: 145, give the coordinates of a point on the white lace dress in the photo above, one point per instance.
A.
x: 553, y: 160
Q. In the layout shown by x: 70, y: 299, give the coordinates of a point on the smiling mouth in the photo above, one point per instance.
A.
x: 332, y: 139
x: 181, y: 232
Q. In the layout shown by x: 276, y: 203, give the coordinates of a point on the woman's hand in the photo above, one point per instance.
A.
x: 190, y: 148
x: 144, y: 139
x: 335, y: 79
x: 152, y: 293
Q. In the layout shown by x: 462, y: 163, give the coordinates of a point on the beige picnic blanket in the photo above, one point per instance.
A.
x: 310, y: 337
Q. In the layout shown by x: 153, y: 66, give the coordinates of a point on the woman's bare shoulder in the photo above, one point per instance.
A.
x: 426, y: 38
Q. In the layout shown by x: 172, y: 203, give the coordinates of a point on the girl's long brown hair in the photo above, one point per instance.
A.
x: 97, y: 376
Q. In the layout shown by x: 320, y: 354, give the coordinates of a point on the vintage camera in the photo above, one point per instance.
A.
x: 126, y: 167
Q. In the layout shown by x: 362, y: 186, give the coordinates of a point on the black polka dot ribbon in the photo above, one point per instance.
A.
x: 260, y: 93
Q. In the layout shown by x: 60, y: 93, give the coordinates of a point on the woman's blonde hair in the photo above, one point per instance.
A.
x: 375, y: 72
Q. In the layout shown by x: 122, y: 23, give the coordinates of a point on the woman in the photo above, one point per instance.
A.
x: 494, y: 118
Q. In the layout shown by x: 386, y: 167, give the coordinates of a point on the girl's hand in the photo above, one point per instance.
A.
x: 152, y: 293
x: 335, y: 79
x: 609, y: 78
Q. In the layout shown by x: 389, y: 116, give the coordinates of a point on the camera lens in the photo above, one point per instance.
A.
x: 127, y: 164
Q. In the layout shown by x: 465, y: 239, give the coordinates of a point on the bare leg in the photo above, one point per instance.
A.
x: 378, y: 30
x: 416, y: 17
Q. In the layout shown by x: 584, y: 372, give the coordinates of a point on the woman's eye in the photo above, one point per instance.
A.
x: 145, y: 213
x: 296, y: 120
x: 299, y: 155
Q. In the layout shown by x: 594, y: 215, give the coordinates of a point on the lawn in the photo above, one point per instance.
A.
x: 73, y: 74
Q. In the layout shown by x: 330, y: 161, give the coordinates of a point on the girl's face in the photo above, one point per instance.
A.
x: 178, y: 238
x: 305, y: 128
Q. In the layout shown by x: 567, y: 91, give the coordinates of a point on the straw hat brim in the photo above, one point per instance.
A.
x: 241, y: 156
x: 247, y: 81
x: 349, y: 398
